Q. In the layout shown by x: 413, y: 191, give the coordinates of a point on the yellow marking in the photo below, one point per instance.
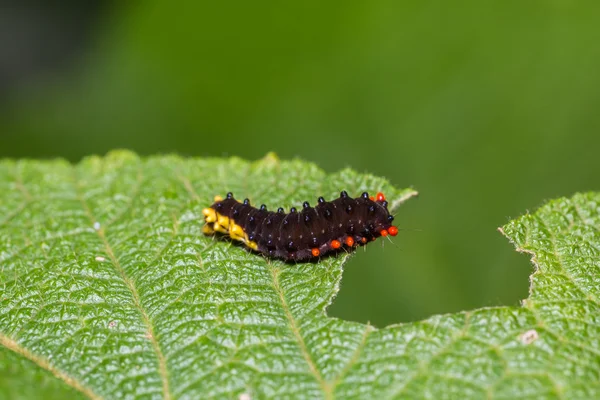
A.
x: 226, y: 225
x: 209, y: 215
x: 219, y: 228
x: 223, y: 221
x: 218, y: 198
x: 236, y: 232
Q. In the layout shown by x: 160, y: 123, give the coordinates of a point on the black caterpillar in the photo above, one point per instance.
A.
x: 302, y: 235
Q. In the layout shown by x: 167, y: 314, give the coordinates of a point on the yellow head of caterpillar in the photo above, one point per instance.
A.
x: 210, y: 215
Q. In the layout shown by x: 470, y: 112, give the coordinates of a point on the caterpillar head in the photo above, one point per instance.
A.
x: 381, y: 217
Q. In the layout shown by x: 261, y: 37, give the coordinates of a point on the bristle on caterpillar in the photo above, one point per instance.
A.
x: 300, y: 235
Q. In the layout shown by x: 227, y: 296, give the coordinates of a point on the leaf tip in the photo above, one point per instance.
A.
x: 270, y: 158
x: 121, y: 155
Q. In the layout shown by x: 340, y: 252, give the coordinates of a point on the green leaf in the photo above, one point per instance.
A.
x: 109, y: 289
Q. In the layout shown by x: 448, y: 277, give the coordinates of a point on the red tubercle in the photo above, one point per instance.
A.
x: 383, y: 232
x: 392, y: 230
x: 372, y: 198
x: 315, y: 252
x: 335, y: 244
x: 349, y: 241
x: 380, y: 197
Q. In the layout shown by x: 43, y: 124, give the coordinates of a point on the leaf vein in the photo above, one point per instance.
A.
x: 296, y: 332
x: 162, y: 364
x: 43, y: 363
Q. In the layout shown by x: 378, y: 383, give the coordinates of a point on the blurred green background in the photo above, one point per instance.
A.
x: 487, y: 108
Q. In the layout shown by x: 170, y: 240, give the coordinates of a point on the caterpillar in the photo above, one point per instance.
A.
x: 302, y: 235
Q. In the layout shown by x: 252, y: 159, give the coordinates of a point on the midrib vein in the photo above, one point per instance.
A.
x: 162, y: 363
x: 299, y: 339
x: 353, y: 359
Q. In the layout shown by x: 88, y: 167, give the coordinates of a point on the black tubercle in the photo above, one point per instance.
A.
x: 296, y: 235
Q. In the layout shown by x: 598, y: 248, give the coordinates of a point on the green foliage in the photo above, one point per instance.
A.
x: 109, y: 289
x: 448, y: 97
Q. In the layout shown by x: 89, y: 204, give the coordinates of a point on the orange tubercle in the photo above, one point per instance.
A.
x: 335, y: 244
x: 349, y: 241
x: 393, y: 230
x: 363, y: 240
x: 315, y: 252
x: 384, y: 233
x: 372, y: 198
x: 380, y: 197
